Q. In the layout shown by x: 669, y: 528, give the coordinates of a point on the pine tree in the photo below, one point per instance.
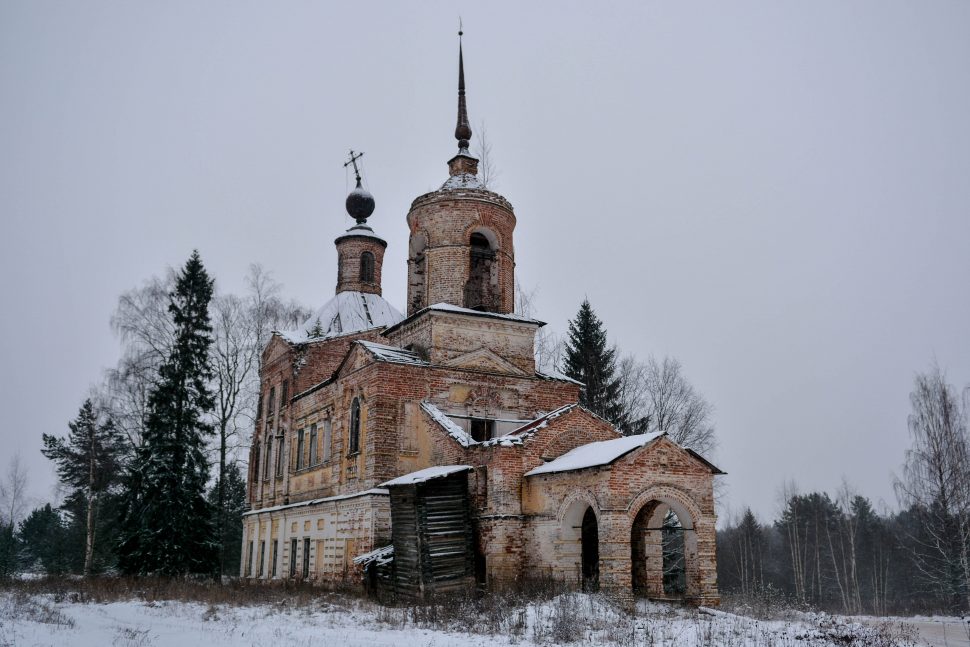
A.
x: 589, y: 360
x: 166, y: 521
x: 8, y: 550
x: 44, y: 541
x: 88, y: 462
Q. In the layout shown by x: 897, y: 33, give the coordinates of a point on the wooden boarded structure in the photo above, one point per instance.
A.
x: 431, y: 532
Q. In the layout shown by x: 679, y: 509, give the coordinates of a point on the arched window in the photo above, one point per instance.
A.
x: 478, y: 289
x: 367, y: 267
x: 355, y: 426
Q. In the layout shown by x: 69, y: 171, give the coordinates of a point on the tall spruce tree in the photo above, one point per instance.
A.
x: 88, y: 463
x: 166, y: 521
x: 590, y: 361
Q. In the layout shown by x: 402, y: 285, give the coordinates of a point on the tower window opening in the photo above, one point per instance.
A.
x: 367, y: 267
x: 481, y: 429
x: 355, y: 426
x: 478, y: 292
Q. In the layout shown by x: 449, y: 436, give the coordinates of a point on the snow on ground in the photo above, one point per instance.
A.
x: 42, y: 620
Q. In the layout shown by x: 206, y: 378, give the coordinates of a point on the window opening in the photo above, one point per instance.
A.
x: 327, y: 438
x: 306, y: 557
x: 367, y: 267
x: 313, y: 444
x: 355, y: 426
x: 481, y: 429
x: 478, y: 292
x: 299, y: 448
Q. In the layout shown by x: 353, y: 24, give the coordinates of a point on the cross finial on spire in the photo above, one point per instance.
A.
x: 353, y: 160
x: 463, y: 131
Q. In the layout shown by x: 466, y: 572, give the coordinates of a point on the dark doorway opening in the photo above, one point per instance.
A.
x: 591, y: 552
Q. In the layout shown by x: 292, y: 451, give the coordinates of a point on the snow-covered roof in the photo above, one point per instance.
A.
x: 393, y: 354
x: 379, y: 556
x: 463, y: 181
x: 553, y: 374
x: 339, y: 497
x: 361, y: 230
x: 448, y: 425
x: 447, y: 307
x: 427, y: 474
x: 517, y: 436
x: 347, y: 312
x: 595, y: 454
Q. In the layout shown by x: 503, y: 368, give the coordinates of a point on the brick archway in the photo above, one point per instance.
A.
x: 579, y: 519
x: 664, y: 561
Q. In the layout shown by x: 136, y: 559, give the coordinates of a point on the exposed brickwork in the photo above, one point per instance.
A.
x: 442, y: 223
x: 350, y: 250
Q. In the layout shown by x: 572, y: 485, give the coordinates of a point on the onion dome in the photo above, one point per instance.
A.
x: 360, y: 203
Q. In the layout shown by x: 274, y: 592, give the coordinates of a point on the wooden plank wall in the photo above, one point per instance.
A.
x: 432, y: 535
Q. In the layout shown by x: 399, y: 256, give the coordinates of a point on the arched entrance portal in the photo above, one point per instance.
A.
x: 590, y: 539
x: 663, y: 549
x: 578, y: 546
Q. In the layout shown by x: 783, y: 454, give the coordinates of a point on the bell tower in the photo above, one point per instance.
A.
x: 461, y: 250
x: 360, y: 252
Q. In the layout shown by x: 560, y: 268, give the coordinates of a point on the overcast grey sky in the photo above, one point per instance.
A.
x: 778, y: 194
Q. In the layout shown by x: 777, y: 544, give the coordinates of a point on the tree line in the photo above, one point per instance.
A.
x: 838, y: 553
x: 150, y: 467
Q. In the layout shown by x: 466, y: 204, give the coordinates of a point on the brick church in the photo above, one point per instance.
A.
x: 427, y: 452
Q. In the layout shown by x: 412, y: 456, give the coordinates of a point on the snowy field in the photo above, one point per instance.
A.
x: 334, y: 620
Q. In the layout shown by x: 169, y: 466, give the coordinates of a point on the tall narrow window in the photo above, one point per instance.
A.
x: 327, y: 438
x: 279, y: 456
x: 313, y: 444
x: 355, y: 426
x: 478, y: 292
x: 262, y: 558
x: 293, y: 557
x: 276, y: 550
x: 269, y: 454
x: 271, y: 402
x: 249, y: 559
x: 285, y: 393
x: 254, y: 462
x: 299, y: 449
x: 367, y: 267
x: 306, y: 557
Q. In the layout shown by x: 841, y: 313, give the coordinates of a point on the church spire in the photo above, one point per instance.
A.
x: 463, y: 131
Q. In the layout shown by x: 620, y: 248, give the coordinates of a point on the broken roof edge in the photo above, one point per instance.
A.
x: 453, y: 309
x: 282, y: 334
x: 425, y: 475
x: 378, y: 491
x: 448, y: 425
x: 556, y: 376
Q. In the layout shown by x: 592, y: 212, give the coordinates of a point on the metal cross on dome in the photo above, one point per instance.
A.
x: 353, y: 160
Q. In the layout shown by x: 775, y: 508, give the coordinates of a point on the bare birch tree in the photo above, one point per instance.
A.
x: 656, y: 396
x: 487, y: 170
x: 13, y: 492
x: 241, y: 328
x: 935, y: 485
x: 548, y: 345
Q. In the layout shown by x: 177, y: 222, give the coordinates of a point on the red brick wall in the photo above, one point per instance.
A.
x: 446, y: 220
x: 349, y: 251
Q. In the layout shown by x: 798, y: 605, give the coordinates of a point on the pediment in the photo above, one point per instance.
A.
x: 275, y: 348
x: 356, y: 358
x: 486, y: 361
